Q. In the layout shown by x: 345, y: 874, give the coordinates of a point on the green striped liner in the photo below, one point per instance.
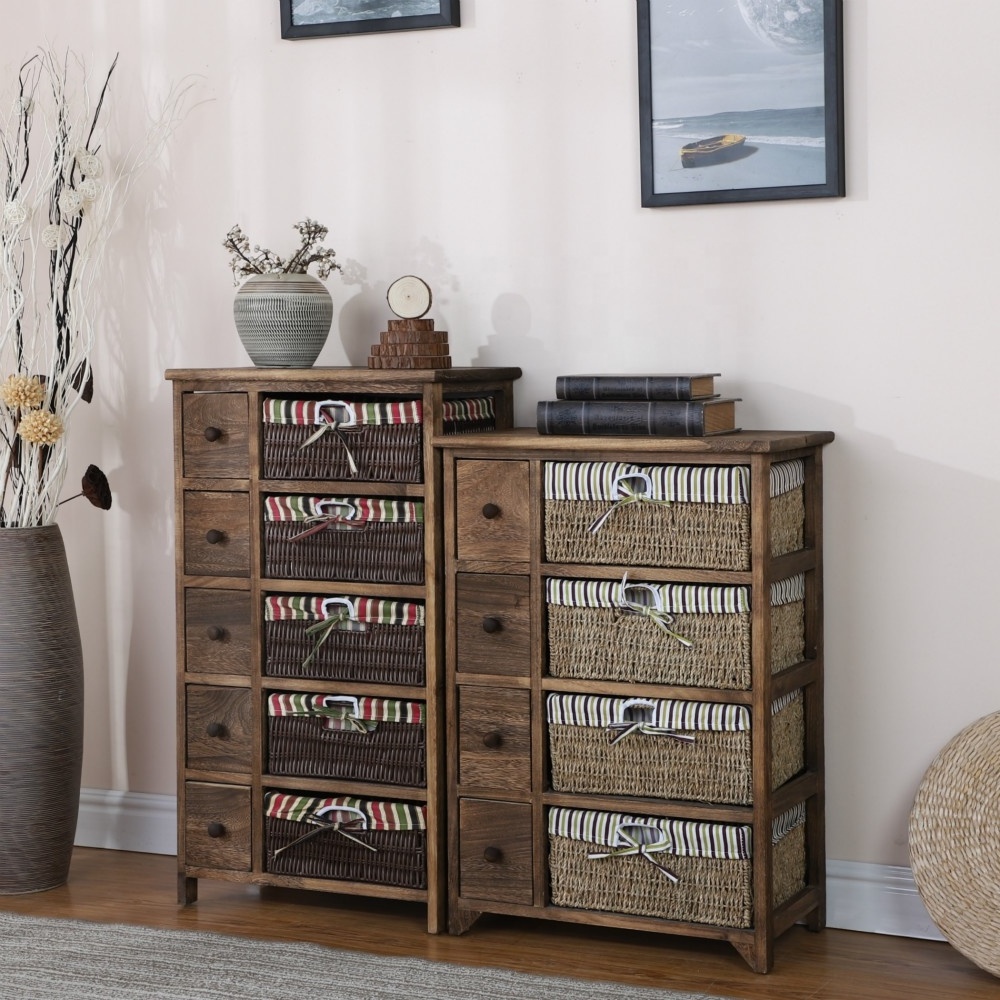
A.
x: 347, y: 811
x: 343, y: 708
x: 688, y: 838
x: 673, y: 598
x: 611, y: 481
x: 601, y: 712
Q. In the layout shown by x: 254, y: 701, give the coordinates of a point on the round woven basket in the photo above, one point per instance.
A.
x: 954, y: 833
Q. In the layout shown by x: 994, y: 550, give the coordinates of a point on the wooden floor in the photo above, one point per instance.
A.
x: 113, y: 886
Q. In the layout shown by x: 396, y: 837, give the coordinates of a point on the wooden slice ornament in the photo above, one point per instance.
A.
x: 410, y: 341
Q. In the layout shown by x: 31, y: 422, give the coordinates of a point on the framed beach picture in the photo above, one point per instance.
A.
x: 312, y: 18
x: 740, y: 100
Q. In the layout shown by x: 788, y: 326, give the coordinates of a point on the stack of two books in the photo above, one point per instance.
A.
x: 654, y: 405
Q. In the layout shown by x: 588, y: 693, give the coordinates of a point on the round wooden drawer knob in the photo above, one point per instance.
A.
x: 492, y: 625
x: 213, y: 536
x: 492, y: 855
x: 215, y: 830
x: 212, y: 433
x: 215, y: 729
x: 490, y: 511
x: 493, y: 740
x: 215, y: 633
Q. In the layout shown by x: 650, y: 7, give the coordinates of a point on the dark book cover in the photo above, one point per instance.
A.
x: 656, y: 418
x: 641, y: 387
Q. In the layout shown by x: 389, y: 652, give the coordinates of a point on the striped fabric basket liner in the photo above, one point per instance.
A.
x: 692, y: 516
x: 346, y: 838
x: 667, y: 633
x: 696, y: 872
x: 347, y: 638
x: 374, y: 539
x: 373, y: 440
x: 341, y: 736
x: 664, y: 748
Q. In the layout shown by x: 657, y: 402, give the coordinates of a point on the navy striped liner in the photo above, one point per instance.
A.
x: 664, y: 713
x: 676, y: 598
x: 687, y: 838
x: 610, y: 481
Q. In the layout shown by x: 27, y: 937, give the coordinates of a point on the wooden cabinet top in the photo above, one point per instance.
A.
x: 523, y: 439
x: 353, y: 379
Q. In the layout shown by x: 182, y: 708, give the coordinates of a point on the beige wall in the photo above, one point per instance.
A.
x: 500, y: 162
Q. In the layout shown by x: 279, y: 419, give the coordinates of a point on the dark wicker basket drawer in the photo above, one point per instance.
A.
x: 364, y: 539
x: 345, y: 838
x: 379, y: 740
x: 693, y: 516
x: 372, y: 440
x: 346, y: 638
x: 665, y: 748
x: 696, y: 872
x: 215, y: 435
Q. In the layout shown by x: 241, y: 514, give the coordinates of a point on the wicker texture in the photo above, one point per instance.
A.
x: 609, y: 644
x: 689, y: 535
x: 384, y: 453
x: 41, y: 711
x: 715, y: 891
x: 399, y: 859
x: 954, y: 831
x: 392, y: 753
x: 378, y: 552
x: 715, y: 768
x: 381, y: 654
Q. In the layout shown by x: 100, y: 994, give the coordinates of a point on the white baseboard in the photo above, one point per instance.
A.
x: 876, y: 899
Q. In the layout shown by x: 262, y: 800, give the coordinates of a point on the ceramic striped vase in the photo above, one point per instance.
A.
x: 41, y: 710
x: 283, y: 320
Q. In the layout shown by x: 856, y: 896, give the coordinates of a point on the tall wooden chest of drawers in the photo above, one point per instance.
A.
x: 309, y: 693
x: 634, y: 679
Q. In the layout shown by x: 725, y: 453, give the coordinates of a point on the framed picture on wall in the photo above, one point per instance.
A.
x: 312, y: 18
x: 740, y: 100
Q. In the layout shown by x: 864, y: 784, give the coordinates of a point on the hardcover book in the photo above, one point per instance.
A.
x: 642, y: 387
x: 654, y: 418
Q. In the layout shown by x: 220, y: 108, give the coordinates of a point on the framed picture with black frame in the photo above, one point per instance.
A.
x: 740, y: 100
x: 315, y: 18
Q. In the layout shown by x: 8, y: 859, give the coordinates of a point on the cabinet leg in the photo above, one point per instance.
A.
x: 187, y: 890
x: 459, y: 921
x: 760, y: 960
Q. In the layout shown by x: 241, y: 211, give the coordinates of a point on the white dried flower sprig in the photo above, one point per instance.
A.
x: 245, y: 260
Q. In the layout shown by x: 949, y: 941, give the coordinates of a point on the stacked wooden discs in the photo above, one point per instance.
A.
x: 411, y: 343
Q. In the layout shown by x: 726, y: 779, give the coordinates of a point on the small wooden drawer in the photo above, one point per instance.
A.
x: 216, y: 435
x: 219, y: 728
x: 217, y: 826
x: 217, y: 631
x: 494, y: 738
x: 492, y: 622
x: 494, y: 510
x: 216, y: 533
x: 495, y: 851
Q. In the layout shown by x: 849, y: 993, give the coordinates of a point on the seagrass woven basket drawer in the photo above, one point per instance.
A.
x: 665, y: 633
x: 220, y: 728
x: 346, y: 838
x: 666, y: 748
x: 652, y: 866
x: 377, y: 440
x: 690, y: 516
x: 365, y: 539
x: 379, y: 740
x: 347, y: 638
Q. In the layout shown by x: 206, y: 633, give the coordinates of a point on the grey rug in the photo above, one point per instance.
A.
x: 76, y: 960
